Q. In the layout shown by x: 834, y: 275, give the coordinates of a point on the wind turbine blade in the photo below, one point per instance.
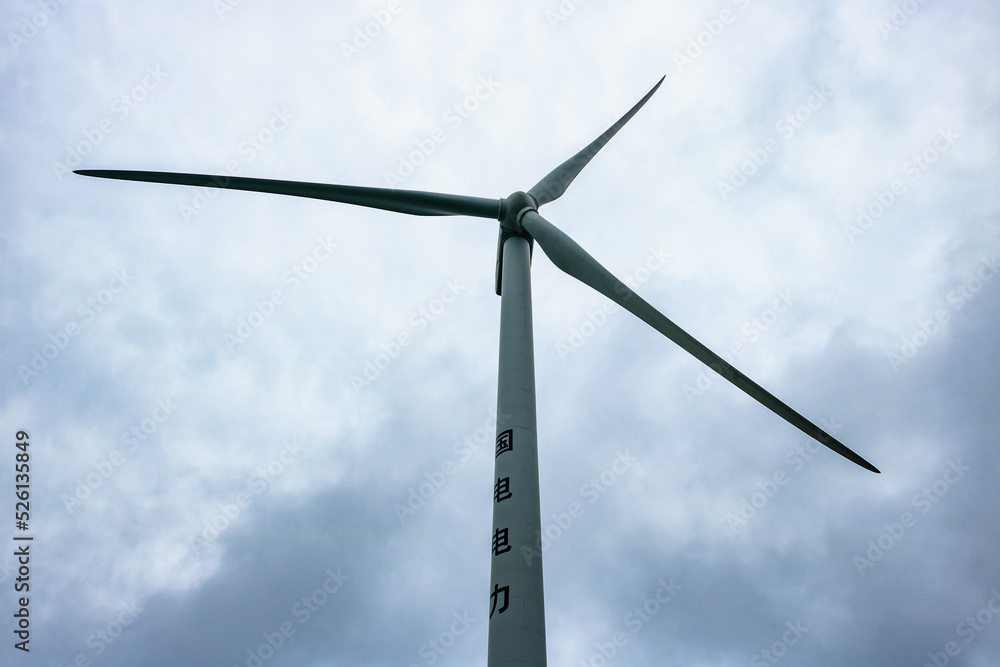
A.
x: 555, y: 183
x: 413, y: 202
x: 566, y: 254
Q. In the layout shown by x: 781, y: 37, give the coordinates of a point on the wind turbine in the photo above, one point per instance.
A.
x: 517, y: 616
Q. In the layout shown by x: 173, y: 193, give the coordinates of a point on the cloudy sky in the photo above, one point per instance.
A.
x: 260, y: 426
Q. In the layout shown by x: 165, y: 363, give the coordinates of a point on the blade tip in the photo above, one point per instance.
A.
x: 867, y: 466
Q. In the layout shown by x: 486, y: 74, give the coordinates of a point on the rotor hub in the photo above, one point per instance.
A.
x: 512, y: 209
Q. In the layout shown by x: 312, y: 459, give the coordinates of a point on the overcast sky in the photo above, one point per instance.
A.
x: 261, y: 426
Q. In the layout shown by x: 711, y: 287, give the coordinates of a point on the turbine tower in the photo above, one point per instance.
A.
x: 516, y: 605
